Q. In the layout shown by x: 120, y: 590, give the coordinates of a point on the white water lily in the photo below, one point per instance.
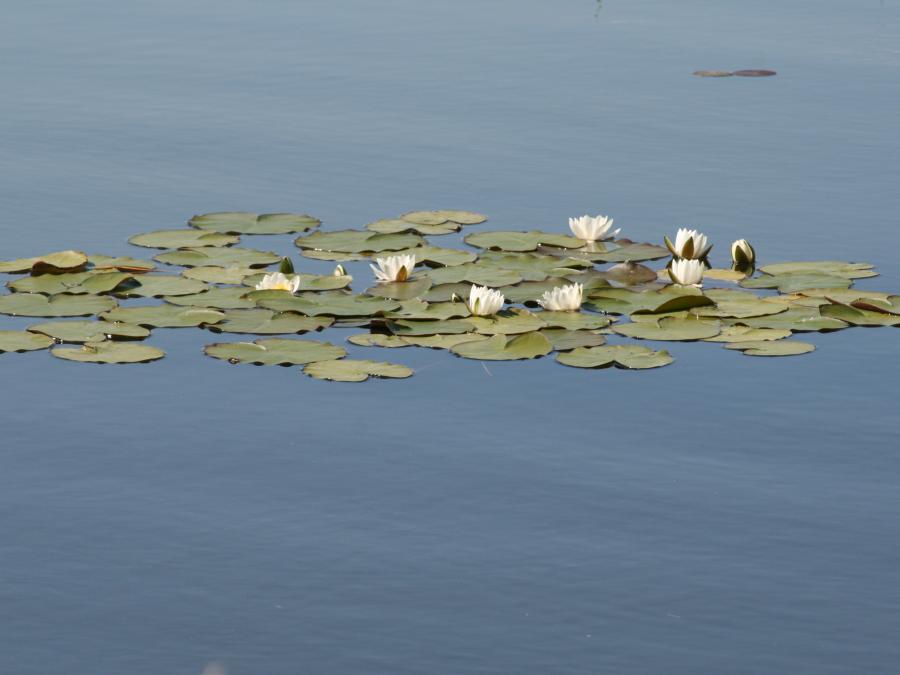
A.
x: 689, y: 244
x: 593, y: 228
x: 687, y: 272
x: 742, y: 253
x: 276, y: 281
x: 339, y: 271
x: 394, y: 268
x: 484, y: 301
x: 563, y: 298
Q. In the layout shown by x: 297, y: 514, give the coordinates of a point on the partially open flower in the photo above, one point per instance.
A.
x: 689, y: 244
x: 592, y: 228
x: 742, y: 253
x: 687, y: 272
x: 563, y: 298
x: 394, y: 268
x: 484, y: 301
x: 339, y: 271
x: 276, y: 281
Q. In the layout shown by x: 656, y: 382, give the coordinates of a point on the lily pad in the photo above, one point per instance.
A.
x: 796, y: 319
x: 563, y: 339
x: 441, y: 341
x: 747, y: 334
x: 89, y: 331
x: 505, y: 347
x: 355, y: 370
x: 521, y: 241
x: 631, y: 357
x: 574, y: 320
x: 446, y: 292
x: 159, y: 285
x: 670, y: 328
x: 334, y: 303
x: 51, y: 263
x: 310, y: 282
x: 406, y: 327
x: 661, y: 301
x: 76, y: 283
x: 217, y: 297
x: 630, y: 273
x: 793, y: 282
x: 274, y: 351
x: 219, y: 275
x: 738, y: 304
x: 508, y: 322
x: 356, y: 241
x: 182, y: 239
x: 22, y: 341
x: 772, y: 348
x: 100, y: 263
x: 434, y: 255
x: 109, y: 352
x: 333, y: 256
x: 859, y: 317
x: 205, y: 256
x: 632, y: 252
x: 418, y: 309
x: 397, y: 225
x: 63, y: 304
x: 378, y: 340
x: 238, y: 222
x: 533, y: 266
x: 401, y: 290
x: 474, y: 273
x: 267, y: 322
x: 164, y: 316
x: 840, y: 268
x: 442, y: 216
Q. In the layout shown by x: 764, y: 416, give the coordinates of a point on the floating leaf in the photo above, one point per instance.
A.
x: 22, y: 341
x: 216, y: 298
x: 219, y: 275
x: 713, y: 73
x: 532, y: 266
x: 164, y: 316
x: 837, y: 268
x: 356, y: 241
x: 445, y: 257
x: 182, y: 239
x: 158, y: 285
x: 475, y: 274
x: 521, y: 241
x: 397, y: 225
x: 401, y: 290
x: 239, y: 222
x: 796, y: 319
x: 719, y: 274
x: 859, y: 317
x: 747, y: 334
x: 378, y: 340
x: 441, y: 341
x: 563, y: 339
x: 331, y: 303
x: 76, y: 283
x: 418, y: 309
x: 754, y: 73
x: 632, y: 252
x: 334, y: 256
x: 507, y: 322
x: 310, y: 282
x: 670, y: 328
x: 274, y: 351
x: 414, y: 328
x: 632, y: 357
x: 738, y: 304
x: 574, y: 320
x: 51, y: 263
x: 624, y: 301
x: 267, y: 322
x: 446, y: 292
x: 772, y: 348
x: 791, y: 283
x: 90, y: 331
x: 122, y: 264
x: 355, y: 370
x: 505, y: 348
x: 109, y: 352
x: 443, y: 216
x: 205, y: 256
x: 630, y: 273
x: 63, y: 304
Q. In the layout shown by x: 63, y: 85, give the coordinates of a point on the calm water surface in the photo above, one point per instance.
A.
x: 723, y: 515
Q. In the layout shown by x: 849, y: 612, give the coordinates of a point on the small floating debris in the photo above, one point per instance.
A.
x: 754, y: 73
x: 713, y: 73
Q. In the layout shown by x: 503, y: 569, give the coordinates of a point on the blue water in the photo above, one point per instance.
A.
x: 722, y: 515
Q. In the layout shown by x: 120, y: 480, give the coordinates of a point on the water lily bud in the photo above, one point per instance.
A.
x: 742, y: 253
x: 339, y: 271
x: 286, y: 267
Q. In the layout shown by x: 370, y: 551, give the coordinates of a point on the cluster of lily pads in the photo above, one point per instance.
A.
x: 508, y: 295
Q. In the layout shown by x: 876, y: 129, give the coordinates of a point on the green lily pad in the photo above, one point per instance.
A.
x: 533, y: 266
x: 888, y: 305
x: 670, y: 328
x: 109, y: 352
x: 356, y: 241
x: 574, y: 320
x: 378, y: 340
x: 219, y: 275
x: 434, y: 255
x: 859, y: 317
x: 563, y: 339
x: 355, y: 370
x: 22, y: 341
x: 791, y: 283
x: 206, y: 256
x: 747, y: 334
x: 310, y: 282
x: 630, y: 273
x: 401, y: 290
x: 838, y: 268
x: 406, y: 327
x: 530, y: 291
x: 441, y: 341
x: 661, y: 301
x: 446, y: 292
x: 631, y: 252
x: 63, y: 304
x: 397, y: 225
x: 51, y: 263
x: 164, y: 316
x: 267, y: 322
x: 105, y: 263
x: 474, y: 273
x: 333, y: 303
x: 521, y: 241
x: 738, y: 304
x: 230, y: 297
x: 631, y: 357
x: 76, y: 283
x: 505, y: 347
x: 772, y: 348
x: 507, y: 322
x: 795, y: 319
x: 443, y: 216
x: 158, y: 285
x: 182, y: 239
x: 238, y: 222
x: 274, y: 351
x: 333, y: 256
x: 419, y: 309
x: 89, y: 331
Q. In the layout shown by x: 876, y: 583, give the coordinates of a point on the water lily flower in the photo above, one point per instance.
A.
x: 742, y: 253
x: 593, y: 228
x: 687, y: 272
x: 339, y: 271
x: 563, y: 298
x: 689, y: 244
x: 484, y: 301
x: 394, y: 268
x: 276, y: 281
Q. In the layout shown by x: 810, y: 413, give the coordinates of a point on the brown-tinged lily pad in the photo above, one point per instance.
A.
x: 51, y: 263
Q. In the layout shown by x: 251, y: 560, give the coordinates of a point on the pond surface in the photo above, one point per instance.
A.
x: 722, y: 515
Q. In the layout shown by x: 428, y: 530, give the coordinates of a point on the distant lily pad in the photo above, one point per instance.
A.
x: 76, y: 283
x: 109, y: 352
x: 713, y: 73
x: 206, y: 256
x: 355, y: 370
x: 839, y: 268
x: 22, y: 341
x: 90, y: 331
x: 401, y: 290
x: 217, y: 297
x: 505, y: 347
x: 442, y: 216
x: 333, y: 303
x: 563, y: 339
x: 238, y: 222
x: 219, y: 275
x: 182, y: 239
x: 793, y: 282
x: 754, y: 73
x: 107, y: 263
x: 434, y: 255
x: 670, y: 328
x: 378, y: 340
x: 267, y: 322
x: 357, y: 241
x: 63, y: 304
x: 521, y: 241
x: 631, y: 357
x: 772, y: 348
x: 274, y: 351
x: 796, y: 319
x: 747, y: 334
x: 164, y: 316
x: 397, y: 225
